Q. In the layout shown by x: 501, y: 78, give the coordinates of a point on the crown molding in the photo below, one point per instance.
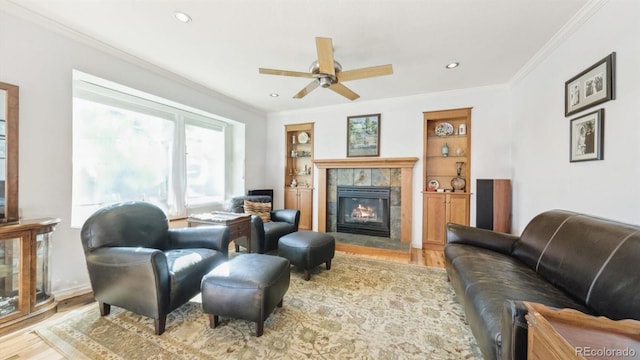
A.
x: 584, y: 14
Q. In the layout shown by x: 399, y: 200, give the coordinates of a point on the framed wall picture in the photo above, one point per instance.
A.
x: 587, y: 137
x: 363, y: 135
x: 591, y: 87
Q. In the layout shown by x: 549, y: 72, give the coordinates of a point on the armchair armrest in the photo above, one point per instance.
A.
x: 461, y: 234
x: 130, y: 277
x: 286, y: 215
x: 514, y: 331
x: 210, y: 237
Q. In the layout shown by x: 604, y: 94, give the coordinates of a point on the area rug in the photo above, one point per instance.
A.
x: 360, y: 309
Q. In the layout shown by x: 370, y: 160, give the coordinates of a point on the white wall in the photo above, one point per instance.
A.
x: 543, y: 176
x: 40, y: 61
x: 401, y: 136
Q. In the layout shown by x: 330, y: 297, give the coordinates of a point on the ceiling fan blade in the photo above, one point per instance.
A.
x: 314, y: 84
x: 325, y: 55
x: 344, y: 91
x: 365, y: 72
x: 285, y: 73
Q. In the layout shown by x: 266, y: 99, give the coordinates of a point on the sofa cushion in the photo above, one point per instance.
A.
x: 275, y: 230
x: 585, y: 256
x: 259, y: 209
x: 186, y: 269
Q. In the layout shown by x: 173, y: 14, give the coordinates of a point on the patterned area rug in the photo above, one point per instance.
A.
x: 360, y: 309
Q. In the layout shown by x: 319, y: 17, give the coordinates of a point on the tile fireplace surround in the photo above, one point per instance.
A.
x: 403, y: 165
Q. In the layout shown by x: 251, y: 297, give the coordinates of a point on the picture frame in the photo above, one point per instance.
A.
x: 587, y: 137
x: 363, y: 135
x: 591, y: 87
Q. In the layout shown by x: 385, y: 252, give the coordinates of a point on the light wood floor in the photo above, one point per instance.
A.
x: 25, y: 344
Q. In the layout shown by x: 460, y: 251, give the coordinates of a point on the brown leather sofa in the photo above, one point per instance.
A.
x: 562, y: 259
x: 137, y: 263
x: 265, y: 235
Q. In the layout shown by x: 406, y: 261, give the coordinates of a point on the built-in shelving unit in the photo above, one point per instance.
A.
x: 446, y: 173
x: 298, y: 176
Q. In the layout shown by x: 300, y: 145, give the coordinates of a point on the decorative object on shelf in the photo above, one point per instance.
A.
x: 363, y: 135
x: 591, y: 87
x: 444, y: 129
x: 303, y: 138
x: 294, y: 183
x: 587, y: 136
x: 458, y: 183
x: 293, y: 139
x: 462, y: 129
x: 445, y: 149
x: 294, y: 153
x: 459, y: 152
x: 433, y: 184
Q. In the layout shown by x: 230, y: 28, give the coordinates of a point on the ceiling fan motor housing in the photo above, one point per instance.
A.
x: 326, y: 80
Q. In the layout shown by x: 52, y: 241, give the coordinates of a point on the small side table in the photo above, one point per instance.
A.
x: 569, y: 334
x: 239, y: 226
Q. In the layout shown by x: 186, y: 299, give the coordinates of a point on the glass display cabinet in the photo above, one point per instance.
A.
x: 25, y: 291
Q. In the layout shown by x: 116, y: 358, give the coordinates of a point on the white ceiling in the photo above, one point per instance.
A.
x: 228, y: 40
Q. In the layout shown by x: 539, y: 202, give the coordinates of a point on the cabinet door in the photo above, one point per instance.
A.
x: 434, y: 219
x: 291, y: 198
x: 458, y: 209
x: 305, y: 205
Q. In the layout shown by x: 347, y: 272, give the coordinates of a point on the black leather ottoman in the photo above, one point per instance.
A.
x: 307, y: 249
x: 246, y: 287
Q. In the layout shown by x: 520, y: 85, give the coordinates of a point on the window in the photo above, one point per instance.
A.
x: 133, y: 146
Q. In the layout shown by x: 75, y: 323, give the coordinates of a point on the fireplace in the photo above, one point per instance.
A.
x: 364, y: 210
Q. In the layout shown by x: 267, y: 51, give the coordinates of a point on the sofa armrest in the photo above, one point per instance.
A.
x: 130, y: 276
x: 286, y: 215
x: 514, y: 331
x: 209, y: 237
x: 461, y: 234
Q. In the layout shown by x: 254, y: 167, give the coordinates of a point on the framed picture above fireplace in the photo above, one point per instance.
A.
x: 363, y: 135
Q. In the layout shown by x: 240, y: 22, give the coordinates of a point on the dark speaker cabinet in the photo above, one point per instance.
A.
x: 493, y: 204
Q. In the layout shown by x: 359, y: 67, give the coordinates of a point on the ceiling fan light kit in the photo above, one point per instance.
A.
x: 327, y: 73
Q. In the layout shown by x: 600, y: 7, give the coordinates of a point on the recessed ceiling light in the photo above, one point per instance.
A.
x: 274, y: 95
x: 453, y: 65
x: 181, y: 16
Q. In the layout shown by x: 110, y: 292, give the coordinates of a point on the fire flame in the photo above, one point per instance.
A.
x: 362, y: 212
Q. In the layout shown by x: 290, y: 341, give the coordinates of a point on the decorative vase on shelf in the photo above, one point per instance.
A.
x: 445, y: 150
x: 458, y: 183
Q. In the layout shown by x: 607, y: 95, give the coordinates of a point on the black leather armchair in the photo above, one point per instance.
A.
x: 265, y: 236
x: 136, y: 262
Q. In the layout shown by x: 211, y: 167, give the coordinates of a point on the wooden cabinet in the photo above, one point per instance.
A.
x: 25, y: 294
x: 446, y: 173
x: 440, y: 209
x: 569, y: 334
x: 298, y: 174
x: 300, y: 199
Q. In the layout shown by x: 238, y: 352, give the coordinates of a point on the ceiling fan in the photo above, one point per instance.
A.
x: 327, y: 73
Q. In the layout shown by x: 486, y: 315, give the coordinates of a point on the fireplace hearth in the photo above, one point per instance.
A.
x: 364, y: 210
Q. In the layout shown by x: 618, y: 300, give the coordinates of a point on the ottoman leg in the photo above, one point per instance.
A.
x: 328, y: 264
x: 280, y: 303
x: 307, y: 274
x: 259, y: 328
x: 214, y: 321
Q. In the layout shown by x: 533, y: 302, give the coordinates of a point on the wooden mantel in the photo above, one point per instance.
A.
x: 374, y: 163
x: 406, y: 165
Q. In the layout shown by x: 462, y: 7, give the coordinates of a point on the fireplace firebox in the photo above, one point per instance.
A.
x: 364, y: 210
